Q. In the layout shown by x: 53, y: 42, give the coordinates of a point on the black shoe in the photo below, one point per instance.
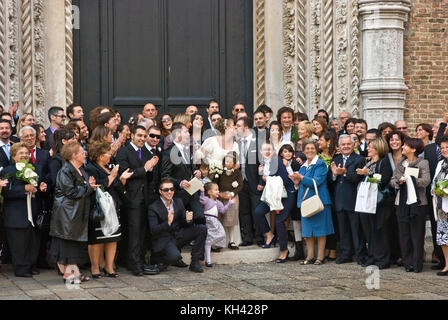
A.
x: 34, y: 271
x: 162, y: 267
x: 209, y: 265
x: 24, y: 275
x: 137, y: 272
x: 246, y: 243
x: 151, y: 270
x: 260, y: 243
x: 233, y: 246
x: 196, y: 267
x: 442, y: 273
x: 438, y: 267
x: 180, y: 264
x: 216, y: 250
x: 385, y: 266
x: 298, y: 254
x: 409, y: 269
x: 342, y: 260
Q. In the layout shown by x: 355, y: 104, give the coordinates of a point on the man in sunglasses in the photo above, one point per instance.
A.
x: 402, y: 126
x: 238, y: 107
x: 172, y: 228
x: 153, y: 146
x: 57, y: 119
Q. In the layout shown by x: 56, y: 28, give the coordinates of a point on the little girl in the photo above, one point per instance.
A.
x: 230, y: 184
x: 216, y: 236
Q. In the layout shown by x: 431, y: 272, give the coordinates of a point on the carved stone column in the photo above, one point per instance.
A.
x: 383, y: 90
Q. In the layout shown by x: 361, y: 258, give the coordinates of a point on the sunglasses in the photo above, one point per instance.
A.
x: 166, y: 120
x: 402, y: 128
x: 167, y: 190
x: 156, y: 136
x: 238, y: 110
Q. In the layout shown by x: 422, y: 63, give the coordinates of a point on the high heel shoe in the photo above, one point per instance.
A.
x: 282, y: 260
x: 268, y: 245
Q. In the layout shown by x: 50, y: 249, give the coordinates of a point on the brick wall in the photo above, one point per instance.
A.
x: 426, y: 62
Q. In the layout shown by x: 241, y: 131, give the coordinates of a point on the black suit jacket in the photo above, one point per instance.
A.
x: 153, y: 184
x: 176, y: 168
x: 47, y: 139
x: 161, y: 231
x: 346, y: 188
x: 431, y: 156
x: 43, y: 160
x: 15, y: 212
x: 137, y: 184
x: 251, y: 163
x: 4, y: 161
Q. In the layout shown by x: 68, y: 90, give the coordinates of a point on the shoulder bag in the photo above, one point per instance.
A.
x: 312, y: 205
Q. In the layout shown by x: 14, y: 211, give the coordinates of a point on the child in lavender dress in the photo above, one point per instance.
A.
x: 216, y: 236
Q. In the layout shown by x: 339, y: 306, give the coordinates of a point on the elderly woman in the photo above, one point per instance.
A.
x: 21, y: 235
x: 102, y: 248
x: 375, y: 226
x: 335, y: 124
x: 70, y: 218
x: 440, y: 211
x: 320, y: 225
x: 411, y: 217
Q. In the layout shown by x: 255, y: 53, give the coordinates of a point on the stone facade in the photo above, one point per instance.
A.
x: 426, y: 62
x: 330, y: 54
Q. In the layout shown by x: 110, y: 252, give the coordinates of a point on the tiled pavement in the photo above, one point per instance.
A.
x: 261, y: 281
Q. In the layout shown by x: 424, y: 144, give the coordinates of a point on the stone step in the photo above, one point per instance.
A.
x: 256, y: 254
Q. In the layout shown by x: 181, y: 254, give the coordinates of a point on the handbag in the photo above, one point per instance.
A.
x: 386, y: 195
x: 366, y: 197
x: 43, y: 220
x: 97, y: 214
x: 312, y: 205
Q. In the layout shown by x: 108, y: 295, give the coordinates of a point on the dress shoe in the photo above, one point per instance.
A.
x: 409, y: 269
x: 246, y: 243
x: 437, y: 267
x: 34, y: 271
x: 384, y: 266
x: 151, y: 270
x: 298, y: 254
x: 342, y: 260
x: 137, y: 272
x: 208, y: 265
x: 442, y: 273
x: 233, y: 246
x: 24, y: 275
x: 180, y: 264
x: 196, y: 267
x: 216, y: 250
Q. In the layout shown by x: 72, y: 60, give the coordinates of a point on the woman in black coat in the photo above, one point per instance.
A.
x: 70, y: 218
x: 375, y: 226
x: 21, y: 235
x: 102, y: 248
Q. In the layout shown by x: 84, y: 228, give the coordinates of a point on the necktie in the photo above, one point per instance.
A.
x: 139, y: 151
x: 33, y: 158
x: 344, y: 158
x: 439, y: 153
x: 6, y: 148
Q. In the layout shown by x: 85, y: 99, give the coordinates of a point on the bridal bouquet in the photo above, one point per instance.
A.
x: 215, y: 170
x: 441, y: 188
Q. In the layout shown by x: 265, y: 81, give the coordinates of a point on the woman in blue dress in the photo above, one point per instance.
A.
x: 320, y: 225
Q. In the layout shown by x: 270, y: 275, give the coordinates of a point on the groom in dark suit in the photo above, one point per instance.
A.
x: 172, y: 228
x: 136, y: 157
x: 178, y: 167
x: 345, y: 180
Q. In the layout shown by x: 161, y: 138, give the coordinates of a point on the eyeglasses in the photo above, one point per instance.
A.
x: 167, y: 190
x: 402, y: 128
x: 167, y: 119
x: 154, y: 136
x: 239, y: 110
x: 63, y: 116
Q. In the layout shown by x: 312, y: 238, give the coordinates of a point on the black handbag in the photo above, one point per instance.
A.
x: 97, y: 215
x: 43, y: 220
x: 386, y: 195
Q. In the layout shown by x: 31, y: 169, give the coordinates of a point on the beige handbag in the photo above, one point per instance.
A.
x: 312, y: 205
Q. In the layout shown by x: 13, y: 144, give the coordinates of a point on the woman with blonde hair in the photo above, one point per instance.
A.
x: 25, y: 120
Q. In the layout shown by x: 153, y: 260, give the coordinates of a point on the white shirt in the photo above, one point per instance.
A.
x: 287, y: 136
x: 8, y: 146
x: 181, y: 149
